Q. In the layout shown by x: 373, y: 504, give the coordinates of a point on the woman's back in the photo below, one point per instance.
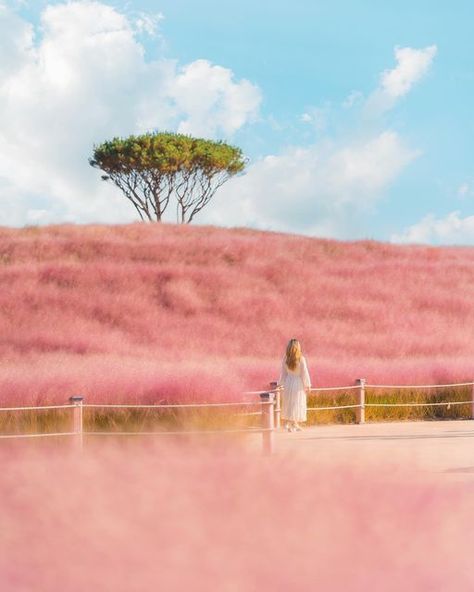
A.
x: 298, y: 367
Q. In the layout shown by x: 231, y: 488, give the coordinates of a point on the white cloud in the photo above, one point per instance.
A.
x: 16, y: 40
x: 329, y: 188
x: 86, y: 79
x: 412, y: 65
x: 320, y: 190
x: 148, y: 23
x: 453, y: 229
x: 212, y: 100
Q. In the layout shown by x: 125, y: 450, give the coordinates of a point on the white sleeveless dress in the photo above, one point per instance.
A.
x: 294, y: 383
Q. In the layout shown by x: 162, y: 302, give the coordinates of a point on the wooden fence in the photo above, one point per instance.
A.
x: 268, y: 404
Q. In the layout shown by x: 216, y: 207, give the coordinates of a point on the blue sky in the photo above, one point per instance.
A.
x: 334, y: 150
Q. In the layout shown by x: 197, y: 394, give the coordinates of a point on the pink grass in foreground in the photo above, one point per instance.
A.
x: 146, y: 313
x: 143, y: 518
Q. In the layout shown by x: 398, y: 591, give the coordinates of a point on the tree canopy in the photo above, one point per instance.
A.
x: 153, y: 168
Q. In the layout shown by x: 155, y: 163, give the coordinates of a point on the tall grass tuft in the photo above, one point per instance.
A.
x: 146, y: 313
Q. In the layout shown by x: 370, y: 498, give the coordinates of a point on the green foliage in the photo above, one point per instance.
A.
x: 153, y: 167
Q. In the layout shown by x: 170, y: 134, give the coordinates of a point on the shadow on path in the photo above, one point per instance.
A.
x: 460, y: 470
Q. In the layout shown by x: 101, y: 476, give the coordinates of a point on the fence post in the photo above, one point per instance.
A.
x: 360, y: 411
x: 77, y: 420
x: 273, y: 386
x: 268, y: 405
x: 472, y: 401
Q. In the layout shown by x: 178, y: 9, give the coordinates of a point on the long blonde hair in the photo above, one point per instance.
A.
x: 293, y: 353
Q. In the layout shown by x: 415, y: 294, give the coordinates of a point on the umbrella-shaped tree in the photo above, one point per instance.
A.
x: 153, y: 168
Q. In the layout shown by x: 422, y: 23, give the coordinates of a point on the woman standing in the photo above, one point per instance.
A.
x: 295, y: 380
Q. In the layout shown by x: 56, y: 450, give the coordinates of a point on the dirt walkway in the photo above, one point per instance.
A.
x: 445, y: 448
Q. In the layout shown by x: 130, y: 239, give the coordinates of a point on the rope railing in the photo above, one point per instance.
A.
x: 180, y: 432
x: 418, y: 386
x: 42, y: 407
x: 356, y: 406
x: 426, y: 404
x: 362, y: 405
x: 269, y: 411
x: 174, y: 406
x: 37, y: 435
x: 240, y: 403
x: 333, y: 388
x: 266, y: 405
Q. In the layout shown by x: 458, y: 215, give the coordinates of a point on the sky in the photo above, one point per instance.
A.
x: 355, y: 115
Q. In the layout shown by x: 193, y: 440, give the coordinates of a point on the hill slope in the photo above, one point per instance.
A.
x: 148, y: 312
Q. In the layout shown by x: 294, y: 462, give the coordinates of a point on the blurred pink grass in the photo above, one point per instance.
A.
x: 174, y: 518
x: 152, y: 312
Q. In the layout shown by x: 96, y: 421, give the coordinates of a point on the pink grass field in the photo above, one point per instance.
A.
x: 143, y: 518
x: 164, y: 312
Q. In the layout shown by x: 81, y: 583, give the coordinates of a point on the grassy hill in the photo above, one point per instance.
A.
x: 152, y: 312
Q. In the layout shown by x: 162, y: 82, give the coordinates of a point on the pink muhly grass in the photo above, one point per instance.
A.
x: 141, y: 517
x: 136, y: 311
x: 109, y: 379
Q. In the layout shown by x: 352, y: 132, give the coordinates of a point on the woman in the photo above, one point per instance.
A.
x: 295, y: 380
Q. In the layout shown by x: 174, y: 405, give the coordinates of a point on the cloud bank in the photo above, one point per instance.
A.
x: 83, y: 77
x: 412, y: 65
x: 315, y: 190
x: 330, y: 187
x: 453, y: 229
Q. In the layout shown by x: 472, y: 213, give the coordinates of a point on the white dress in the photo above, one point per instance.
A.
x: 294, y: 383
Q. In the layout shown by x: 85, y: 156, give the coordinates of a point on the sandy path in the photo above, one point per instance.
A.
x: 445, y: 448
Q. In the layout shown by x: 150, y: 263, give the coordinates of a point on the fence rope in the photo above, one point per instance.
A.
x: 255, y: 430
x: 335, y: 407
x: 233, y: 403
x: 35, y: 408
x: 167, y: 406
x: 181, y: 433
x: 335, y: 388
x: 418, y: 404
x: 415, y: 386
x: 5, y: 436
